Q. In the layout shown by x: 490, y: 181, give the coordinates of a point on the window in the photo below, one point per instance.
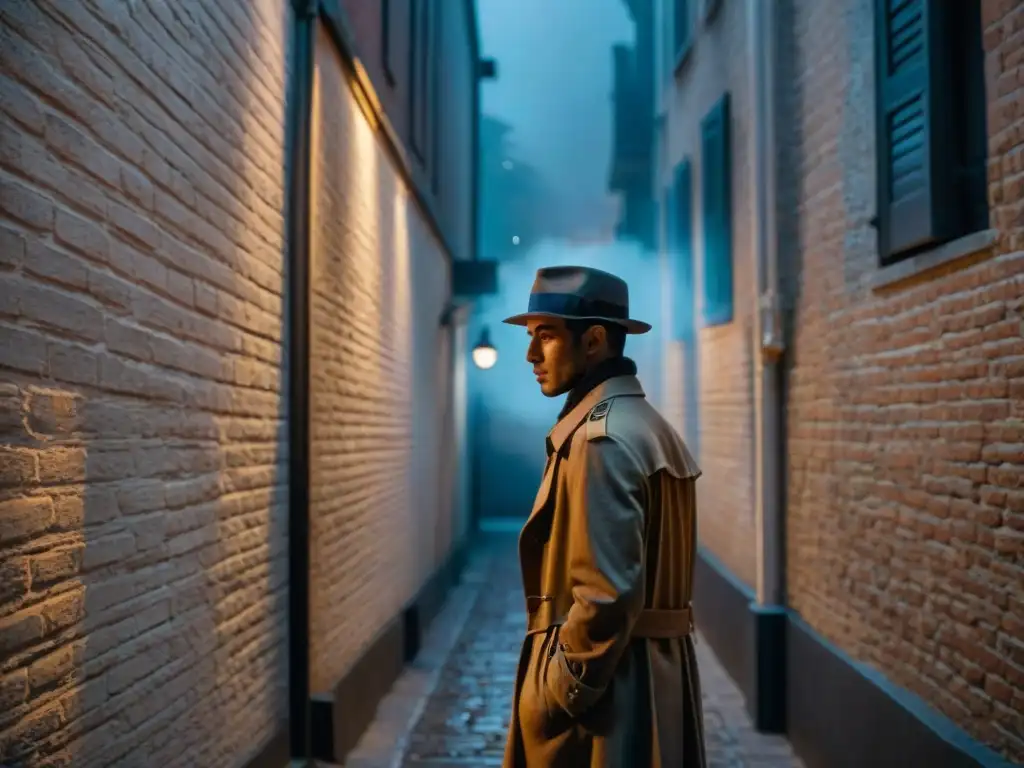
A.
x: 680, y: 247
x: 931, y: 134
x: 385, y: 42
x: 680, y: 29
x: 419, y: 58
x: 436, y: 102
x: 667, y: 38
x: 716, y: 203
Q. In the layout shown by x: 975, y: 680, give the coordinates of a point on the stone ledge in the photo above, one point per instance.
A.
x: 951, y: 255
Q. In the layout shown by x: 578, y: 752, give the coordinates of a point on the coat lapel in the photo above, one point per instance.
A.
x: 545, y: 485
x: 562, y: 431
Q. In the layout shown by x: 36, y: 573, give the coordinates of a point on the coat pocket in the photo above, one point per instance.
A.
x: 540, y: 715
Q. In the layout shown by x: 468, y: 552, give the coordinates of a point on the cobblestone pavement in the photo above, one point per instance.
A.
x: 451, y: 707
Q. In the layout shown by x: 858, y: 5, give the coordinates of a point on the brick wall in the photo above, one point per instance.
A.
x: 142, y: 526
x: 719, y: 370
x: 381, y: 367
x: 906, y: 441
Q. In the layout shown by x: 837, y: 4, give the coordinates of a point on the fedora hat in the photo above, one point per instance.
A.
x: 579, y: 293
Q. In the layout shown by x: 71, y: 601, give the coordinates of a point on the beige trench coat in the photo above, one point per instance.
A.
x: 607, y: 674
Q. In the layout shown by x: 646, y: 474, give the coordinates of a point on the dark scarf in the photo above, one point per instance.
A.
x: 600, y: 373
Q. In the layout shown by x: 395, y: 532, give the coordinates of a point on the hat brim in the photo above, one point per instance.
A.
x: 632, y: 326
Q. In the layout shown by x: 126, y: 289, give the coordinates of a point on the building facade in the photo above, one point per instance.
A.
x: 187, y: 267
x: 842, y: 250
x: 632, y: 161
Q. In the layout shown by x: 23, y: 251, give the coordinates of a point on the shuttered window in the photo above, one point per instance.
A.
x: 680, y: 242
x: 386, y: 50
x: 929, y: 161
x: 681, y: 27
x: 716, y: 214
x: 436, y: 62
x: 419, y: 58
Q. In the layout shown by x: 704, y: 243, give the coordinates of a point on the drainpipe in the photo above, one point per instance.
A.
x: 298, y: 170
x: 766, y: 699
x: 474, y: 184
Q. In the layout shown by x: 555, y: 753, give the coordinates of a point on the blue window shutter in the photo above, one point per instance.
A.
x: 917, y: 192
x: 681, y: 25
x: 681, y: 250
x: 716, y: 199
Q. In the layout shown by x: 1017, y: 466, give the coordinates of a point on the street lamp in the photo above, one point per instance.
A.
x: 484, y: 353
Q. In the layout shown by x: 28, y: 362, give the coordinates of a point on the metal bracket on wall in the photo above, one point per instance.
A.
x: 455, y: 313
x: 488, y: 69
x: 475, y: 277
x: 773, y: 342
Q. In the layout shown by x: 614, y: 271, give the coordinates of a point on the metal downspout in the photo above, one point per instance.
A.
x: 767, y: 339
x: 474, y: 43
x: 298, y: 172
x: 766, y: 691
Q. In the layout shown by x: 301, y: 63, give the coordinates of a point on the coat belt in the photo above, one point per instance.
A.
x: 652, y: 623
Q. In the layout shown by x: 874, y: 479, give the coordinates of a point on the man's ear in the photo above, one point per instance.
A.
x: 595, y: 338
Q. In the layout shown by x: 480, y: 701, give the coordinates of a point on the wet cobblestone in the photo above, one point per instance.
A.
x: 451, y: 708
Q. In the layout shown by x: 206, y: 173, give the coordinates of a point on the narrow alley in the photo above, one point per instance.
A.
x: 266, y: 395
x: 451, y: 706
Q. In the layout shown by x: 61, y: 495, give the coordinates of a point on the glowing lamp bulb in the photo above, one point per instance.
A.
x: 484, y: 353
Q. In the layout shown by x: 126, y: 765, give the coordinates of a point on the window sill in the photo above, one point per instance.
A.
x: 946, y: 257
x: 682, y: 56
x: 717, y: 319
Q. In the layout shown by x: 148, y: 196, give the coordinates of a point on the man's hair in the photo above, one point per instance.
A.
x: 616, y: 333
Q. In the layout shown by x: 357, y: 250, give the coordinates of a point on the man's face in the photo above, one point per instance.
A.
x: 558, y: 359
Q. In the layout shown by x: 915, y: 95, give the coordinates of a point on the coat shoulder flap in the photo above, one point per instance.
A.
x: 647, y: 436
x: 596, y: 426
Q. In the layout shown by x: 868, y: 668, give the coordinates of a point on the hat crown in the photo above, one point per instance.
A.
x: 580, y: 293
x: 584, y: 283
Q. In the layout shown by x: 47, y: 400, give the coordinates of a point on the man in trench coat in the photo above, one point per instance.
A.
x: 607, y: 675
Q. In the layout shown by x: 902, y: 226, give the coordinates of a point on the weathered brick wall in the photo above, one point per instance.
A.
x: 142, y: 525
x: 906, y: 440
x: 721, y: 367
x: 381, y: 368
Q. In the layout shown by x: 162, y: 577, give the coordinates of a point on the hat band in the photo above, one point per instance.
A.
x: 576, y: 306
